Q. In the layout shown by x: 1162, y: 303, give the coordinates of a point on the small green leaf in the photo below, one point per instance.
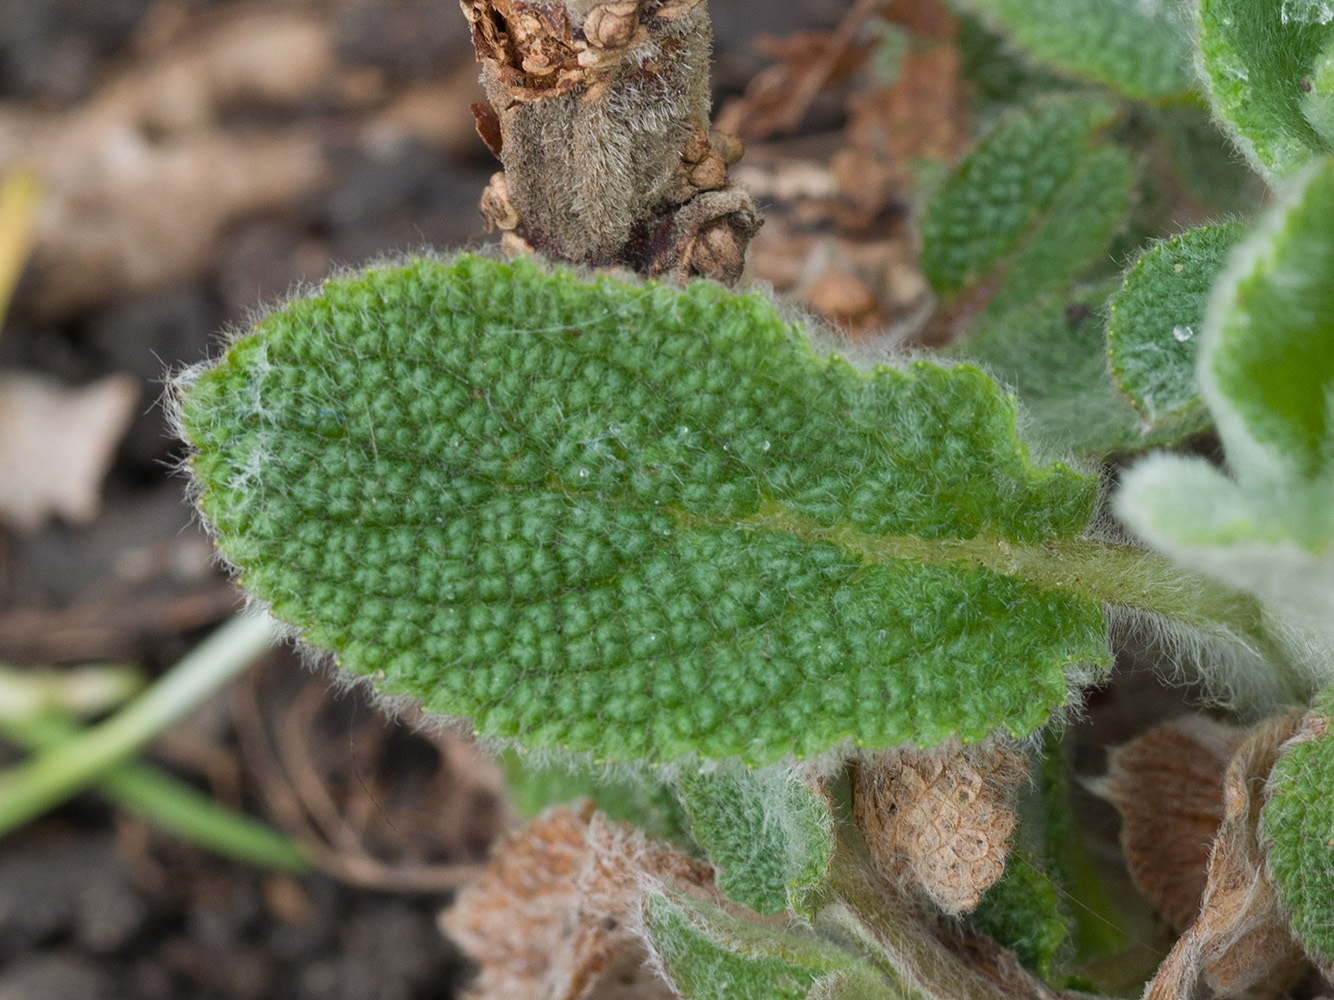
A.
x: 1298, y: 826
x: 1074, y: 232
x: 1157, y: 318
x: 770, y: 835
x: 1136, y: 47
x: 642, y: 522
x: 1053, y: 353
x: 1008, y: 188
x: 1258, y: 59
x: 708, y: 953
x: 639, y: 795
x: 1266, y: 369
x: 1023, y: 913
x: 1318, y: 101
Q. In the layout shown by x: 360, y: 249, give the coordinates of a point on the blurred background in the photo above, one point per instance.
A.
x: 167, y: 169
x: 170, y: 167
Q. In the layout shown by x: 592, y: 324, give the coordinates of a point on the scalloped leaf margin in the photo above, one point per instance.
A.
x: 639, y: 521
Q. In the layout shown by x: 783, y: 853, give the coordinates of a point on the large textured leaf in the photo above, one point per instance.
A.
x: 1258, y: 58
x: 1139, y: 47
x: 639, y: 521
x: 1298, y: 829
x: 1157, y: 318
x: 770, y: 835
x: 1266, y: 369
x: 1011, y: 200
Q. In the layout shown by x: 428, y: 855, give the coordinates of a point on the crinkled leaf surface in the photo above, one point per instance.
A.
x: 707, y: 952
x: 1138, y: 47
x: 640, y: 521
x: 1073, y: 232
x: 1022, y: 912
x: 1024, y: 179
x: 1255, y: 55
x: 1266, y: 369
x: 1298, y: 827
x: 1158, y: 315
x: 771, y: 836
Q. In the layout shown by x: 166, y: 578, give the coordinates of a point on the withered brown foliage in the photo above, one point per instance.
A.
x: 1241, y: 945
x: 940, y: 820
x: 1168, y: 787
x: 553, y: 914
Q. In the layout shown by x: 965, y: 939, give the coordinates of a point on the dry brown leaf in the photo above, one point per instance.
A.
x: 1168, y: 787
x: 551, y: 916
x: 778, y: 98
x: 56, y: 444
x: 139, y: 181
x: 940, y: 819
x: 923, y: 116
x: 1240, y: 944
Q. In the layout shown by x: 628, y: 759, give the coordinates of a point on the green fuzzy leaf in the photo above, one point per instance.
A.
x: 770, y: 835
x: 636, y: 794
x: 1157, y: 317
x: 1298, y: 826
x: 1022, y: 912
x: 642, y: 522
x: 1266, y: 369
x: 708, y: 953
x: 1075, y: 231
x: 1139, y: 48
x: 986, y: 215
x: 999, y: 77
x: 1318, y: 101
x: 1053, y: 353
x: 1255, y: 55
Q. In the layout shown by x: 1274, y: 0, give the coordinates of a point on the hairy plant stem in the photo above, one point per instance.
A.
x: 897, y: 935
x: 600, y: 114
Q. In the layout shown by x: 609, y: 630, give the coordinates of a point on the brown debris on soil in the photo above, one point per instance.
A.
x: 56, y: 445
x: 553, y: 914
x: 375, y: 803
x: 600, y: 114
x: 940, y: 820
x: 1240, y: 944
x: 139, y: 183
x: 778, y: 98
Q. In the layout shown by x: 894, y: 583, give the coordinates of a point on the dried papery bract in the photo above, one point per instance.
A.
x: 1168, y: 787
x: 941, y: 819
x: 552, y: 916
x: 1240, y: 944
x: 600, y: 114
